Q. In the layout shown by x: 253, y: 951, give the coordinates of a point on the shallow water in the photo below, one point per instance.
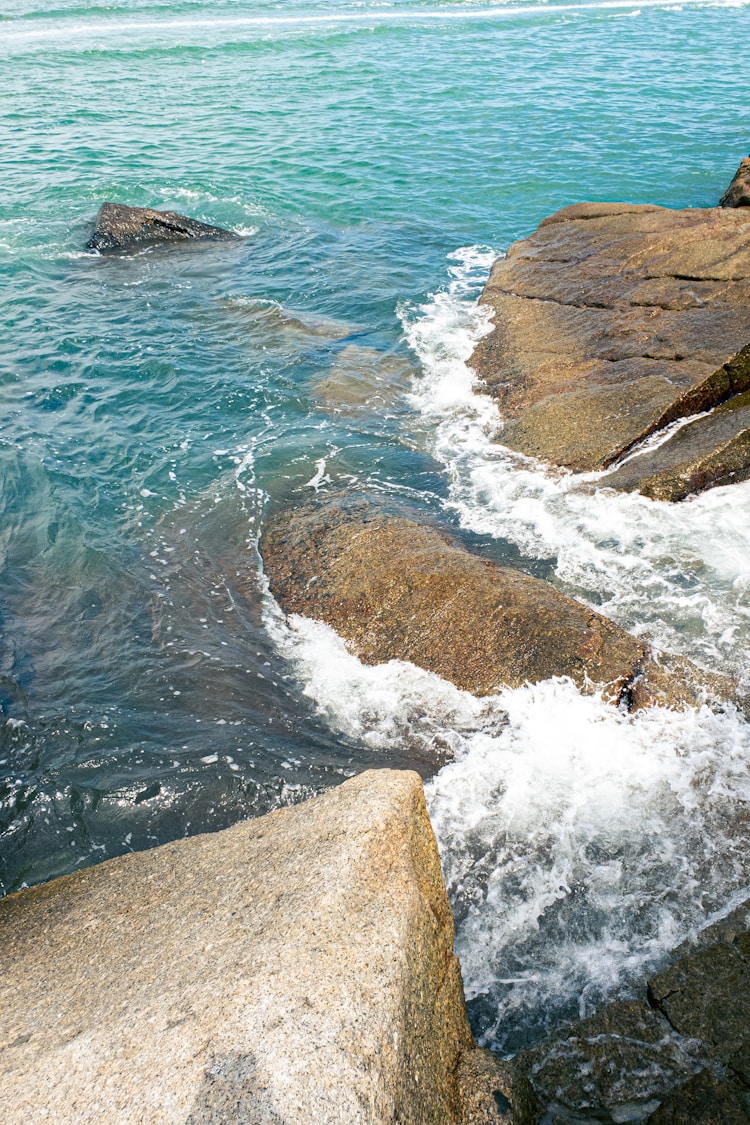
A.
x: 376, y: 157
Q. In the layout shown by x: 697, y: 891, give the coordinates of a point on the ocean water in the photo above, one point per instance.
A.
x: 376, y: 157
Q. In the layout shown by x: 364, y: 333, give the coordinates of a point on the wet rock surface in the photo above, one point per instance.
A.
x: 710, y: 451
x: 738, y: 192
x: 120, y: 228
x: 398, y: 589
x: 612, y: 321
x: 294, y: 968
x: 493, y: 1091
x: 680, y: 1056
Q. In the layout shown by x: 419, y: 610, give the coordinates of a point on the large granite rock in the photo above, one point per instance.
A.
x: 293, y: 969
x: 399, y: 589
x: 612, y: 321
x: 738, y: 192
x: 119, y: 227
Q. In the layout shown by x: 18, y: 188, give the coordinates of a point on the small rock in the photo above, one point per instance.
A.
x: 119, y: 227
x: 738, y: 192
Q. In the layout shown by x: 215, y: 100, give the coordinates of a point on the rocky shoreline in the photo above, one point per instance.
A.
x: 300, y: 967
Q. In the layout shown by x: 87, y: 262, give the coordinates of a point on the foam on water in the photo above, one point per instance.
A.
x: 369, y: 16
x: 677, y: 574
x: 579, y: 843
x: 380, y: 705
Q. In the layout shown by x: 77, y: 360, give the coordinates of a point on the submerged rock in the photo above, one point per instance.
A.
x: 362, y: 378
x: 399, y: 589
x: 612, y: 321
x: 738, y: 192
x: 119, y: 227
x: 269, y: 320
x: 294, y: 968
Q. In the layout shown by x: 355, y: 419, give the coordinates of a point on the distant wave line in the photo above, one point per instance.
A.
x: 376, y: 16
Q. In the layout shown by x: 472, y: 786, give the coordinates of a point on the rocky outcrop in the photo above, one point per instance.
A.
x: 399, y: 589
x: 295, y: 968
x: 119, y: 227
x: 683, y: 1056
x: 612, y: 321
x: 738, y: 192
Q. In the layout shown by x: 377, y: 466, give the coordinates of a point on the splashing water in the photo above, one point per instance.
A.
x: 678, y: 575
x: 153, y: 404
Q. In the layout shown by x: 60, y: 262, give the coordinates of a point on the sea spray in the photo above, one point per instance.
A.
x: 676, y: 574
x: 579, y: 843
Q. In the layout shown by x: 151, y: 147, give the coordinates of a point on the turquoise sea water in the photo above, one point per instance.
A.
x: 376, y: 156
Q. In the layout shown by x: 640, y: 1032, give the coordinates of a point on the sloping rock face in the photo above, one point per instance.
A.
x: 682, y: 1057
x: 397, y: 589
x: 738, y: 192
x: 293, y: 969
x: 119, y: 227
x: 613, y: 321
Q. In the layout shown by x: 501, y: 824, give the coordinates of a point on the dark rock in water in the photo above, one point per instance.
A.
x: 682, y: 1058
x: 616, y: 1066
x: 738, y: 192
x: 396, y: 588
x: 706, y: 996
x: 119, y: 227
x: 704, y: 1100
x: 613, y: 321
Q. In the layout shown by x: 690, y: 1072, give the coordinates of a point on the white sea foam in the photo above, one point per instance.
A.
x: 384, y: 705
x: 678, y: 574
x: 17, y: 33
x: 579, y: 843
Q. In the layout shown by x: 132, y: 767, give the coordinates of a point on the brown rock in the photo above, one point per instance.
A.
x: 712, y: 450
x: 294, y: 968
x: 738, y: 192
x: 119, y: 227
x: 397, y: 589
x: 613, y: 320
